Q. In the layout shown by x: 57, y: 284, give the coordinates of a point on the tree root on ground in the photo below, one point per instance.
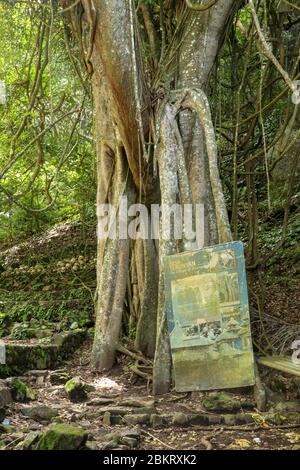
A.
x: 134, y: 355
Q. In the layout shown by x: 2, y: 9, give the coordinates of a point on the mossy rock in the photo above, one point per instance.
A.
x: 230, y: 419
x: 76, y: 389
x: 62, y: 437
x: 199, y: 419
x: 156, y: 420
x: 221, y: 401
x: 21, y: 392
x: 40, y: 413
x: 180, y: 419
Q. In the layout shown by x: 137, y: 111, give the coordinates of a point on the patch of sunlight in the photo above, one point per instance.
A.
x: 105, y: 382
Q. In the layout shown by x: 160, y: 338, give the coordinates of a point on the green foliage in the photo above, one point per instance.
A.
x: 55, y: 166
x: 252, y: 108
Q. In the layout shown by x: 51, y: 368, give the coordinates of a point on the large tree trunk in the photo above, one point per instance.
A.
x: 185, y: 152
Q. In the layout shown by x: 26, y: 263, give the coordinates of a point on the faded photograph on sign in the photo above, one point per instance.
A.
x: 208, y: 318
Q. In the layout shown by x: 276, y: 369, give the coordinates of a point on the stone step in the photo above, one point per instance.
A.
x: 22, y: 356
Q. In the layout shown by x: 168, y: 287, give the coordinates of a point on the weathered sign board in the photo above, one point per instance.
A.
x: 208, y: 318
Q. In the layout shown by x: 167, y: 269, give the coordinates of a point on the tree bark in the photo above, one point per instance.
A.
x: 185, y: 152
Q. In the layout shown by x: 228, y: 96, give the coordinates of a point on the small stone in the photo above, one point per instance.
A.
x: 229, y: 420
x: 199, y: 419
x: 59, y: 377
x: 143, y: 411
x: 137, y: 419
x: 116, y: 420
x: 112, y: 396
x: 40, y: 381
x: 109, y: 445
x: 132, y: 403
x: 100, y: 401
x: 62, y: 437
x: 215, y: 419
x: 35, y: 427
x: 112, y: 436
x: 92, y: 445
x: 85, y: 424
x: 37, y: 373
x: 115, y: 411
x: 74, y: 326
x: 40, y: 413
x: 130, y: 442
x: 156, y: 421
x: 221, y: 401
x: 75, y: 389
x: 133, y: 432
x: 180, y: 419
x: 107, y: 418
x: 5, y: 395
x: 244, y: 418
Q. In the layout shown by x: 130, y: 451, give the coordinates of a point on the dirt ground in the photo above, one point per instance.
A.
x: 121, y: 384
